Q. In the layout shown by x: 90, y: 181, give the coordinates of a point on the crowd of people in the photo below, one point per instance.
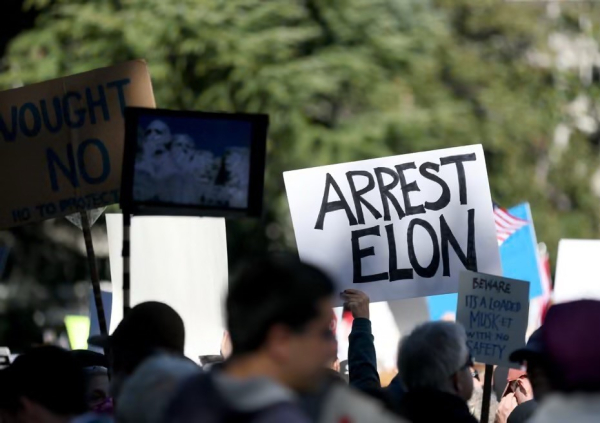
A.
x: 279, y: 366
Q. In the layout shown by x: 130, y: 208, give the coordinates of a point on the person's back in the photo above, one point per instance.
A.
x: 337, y: 402
x: 278, y: 315
x: 148, y: 391
x: 435, y: 367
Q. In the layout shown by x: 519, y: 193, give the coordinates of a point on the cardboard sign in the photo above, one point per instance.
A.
x: 61, y: 142
x: 494, y: 312
x: 577, y: 270
x: 397, y: 227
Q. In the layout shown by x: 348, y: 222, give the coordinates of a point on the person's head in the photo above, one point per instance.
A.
x: 148, y: 328
x: 279, y: 309
x: 573, y: 346
x: 45, y: 384
x: 95, y: 369
x: 534, y: 357
x: 434, y: 356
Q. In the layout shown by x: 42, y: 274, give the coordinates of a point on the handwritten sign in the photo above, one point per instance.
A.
x: 61, y: 142
x: 494, y: 312
x: 397, y: 227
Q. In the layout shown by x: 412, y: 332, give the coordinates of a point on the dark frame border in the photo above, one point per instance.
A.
x: 260, y: 125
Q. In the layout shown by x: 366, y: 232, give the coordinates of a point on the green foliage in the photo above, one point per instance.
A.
x: 346, y: 80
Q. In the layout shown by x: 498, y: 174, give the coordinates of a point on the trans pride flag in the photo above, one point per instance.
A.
x: 520, y: 260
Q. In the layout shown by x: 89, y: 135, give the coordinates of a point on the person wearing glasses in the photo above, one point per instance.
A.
x: 435, y: 367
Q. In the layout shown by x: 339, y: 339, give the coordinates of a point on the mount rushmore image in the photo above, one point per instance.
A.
x: 171, y: 168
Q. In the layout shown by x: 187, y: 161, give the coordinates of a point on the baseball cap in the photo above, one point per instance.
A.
x: 533, y: 349
x: 148, y: 325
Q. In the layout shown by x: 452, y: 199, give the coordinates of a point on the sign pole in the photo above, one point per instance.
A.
x: 487, y: 393
x: 126, y: 252
x: 91, y: 258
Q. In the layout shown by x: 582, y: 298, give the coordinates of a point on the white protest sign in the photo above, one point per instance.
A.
x: 397, y: 227
x: 494, y: 311
x: 180, y: 261
x: 577, y: 270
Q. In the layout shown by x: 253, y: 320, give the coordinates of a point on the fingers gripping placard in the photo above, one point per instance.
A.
x: 401, y: 226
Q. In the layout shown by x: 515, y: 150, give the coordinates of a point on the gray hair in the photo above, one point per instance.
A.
x: 432, y: 353
x: 146, y: 394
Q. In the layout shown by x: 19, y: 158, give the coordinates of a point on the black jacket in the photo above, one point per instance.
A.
x: 435, y: 406
x: 362, y: 358
x: 362, y: 366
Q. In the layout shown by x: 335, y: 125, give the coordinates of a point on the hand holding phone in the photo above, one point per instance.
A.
x: 523, y: 390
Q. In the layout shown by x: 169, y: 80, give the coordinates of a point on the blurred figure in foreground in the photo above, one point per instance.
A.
x: 45, y: 384
x: 278, y: 316
x: 572, y: 345
x: 148, y: 391
x: 435, y: 367
x: 149, y: 328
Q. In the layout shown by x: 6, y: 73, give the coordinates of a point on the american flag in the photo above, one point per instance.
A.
x: 506, y: 223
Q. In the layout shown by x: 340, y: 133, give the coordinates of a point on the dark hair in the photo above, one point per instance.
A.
x: 48, y: 376
x: 278, y: 289
x: 86, y: 358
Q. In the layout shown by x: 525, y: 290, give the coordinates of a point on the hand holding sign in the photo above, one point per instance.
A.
x: 357, y: 302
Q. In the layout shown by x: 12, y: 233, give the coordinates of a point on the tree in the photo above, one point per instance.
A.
x: 352, y: 79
